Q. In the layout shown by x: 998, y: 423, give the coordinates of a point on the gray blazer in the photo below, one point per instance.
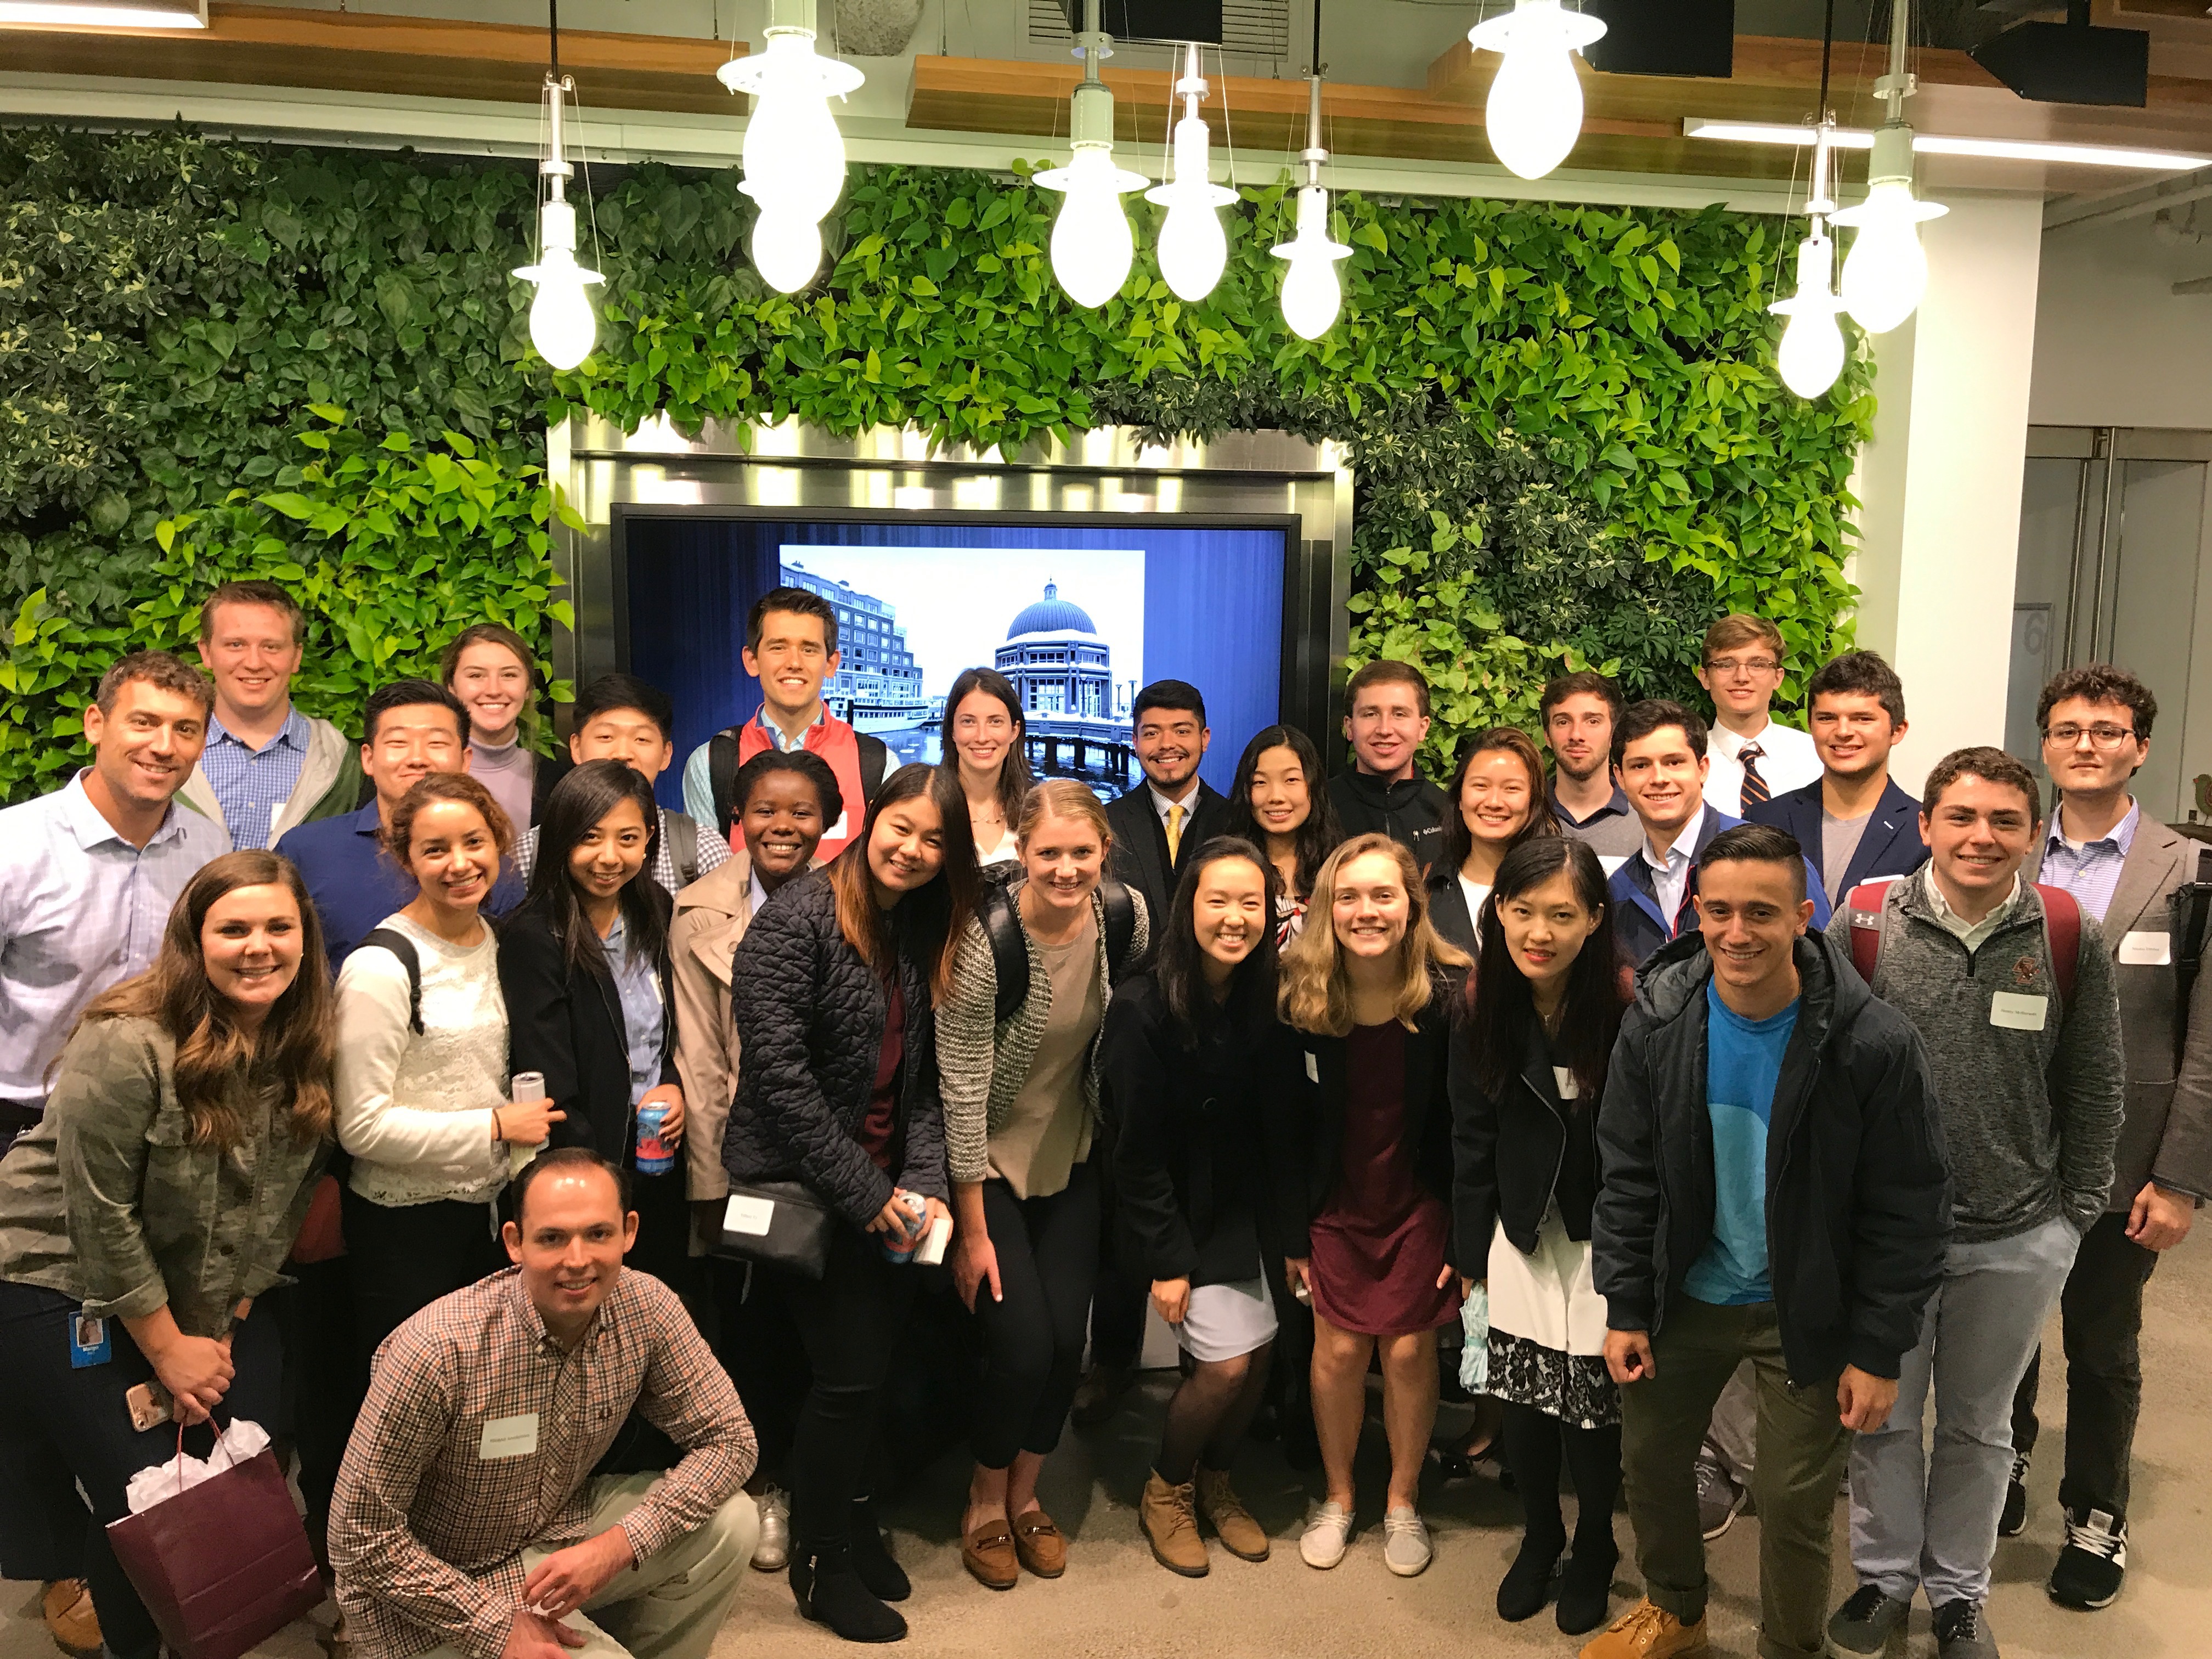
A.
x: 2166, y: 1136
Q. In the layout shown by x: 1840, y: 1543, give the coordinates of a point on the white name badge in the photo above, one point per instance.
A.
x: 749, y: 1215
x: 508, y: 1436
x: 2147, y: 950
x: 1313, y: 1068
x: 2018, y: 1013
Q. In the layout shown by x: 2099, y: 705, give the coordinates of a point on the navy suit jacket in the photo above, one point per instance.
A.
x: 1640, y: 926
x: 1891, y: 846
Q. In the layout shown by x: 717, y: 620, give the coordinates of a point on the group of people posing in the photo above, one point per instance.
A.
x: 561, y: 1172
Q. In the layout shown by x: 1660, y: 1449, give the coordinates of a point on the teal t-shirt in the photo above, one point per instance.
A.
x: 1743, y: 1063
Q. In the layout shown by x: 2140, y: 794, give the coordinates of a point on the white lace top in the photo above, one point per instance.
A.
x: 416, y: 1111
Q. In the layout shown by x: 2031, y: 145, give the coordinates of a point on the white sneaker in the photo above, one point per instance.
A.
x: 1329, y: 1529
x: 1406, y: 1549
x: 772, y: 1553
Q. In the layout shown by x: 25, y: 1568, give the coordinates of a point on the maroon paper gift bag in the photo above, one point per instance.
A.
x: 223, y: 1565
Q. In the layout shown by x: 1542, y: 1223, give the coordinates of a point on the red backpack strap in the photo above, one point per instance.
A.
x: 1865, y: 901
x: 2062, y: 927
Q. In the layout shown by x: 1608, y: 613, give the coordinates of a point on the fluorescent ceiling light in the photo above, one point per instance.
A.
x: 1932, y: 143
x: 45, y: 13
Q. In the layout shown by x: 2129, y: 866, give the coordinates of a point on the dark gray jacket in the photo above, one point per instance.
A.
x: 2031, y: 1117
x: 1858, y: 1215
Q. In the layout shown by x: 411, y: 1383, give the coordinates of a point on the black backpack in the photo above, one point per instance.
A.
x: 2188, y: 906
x: 1010, y: 951
x: 722, y: 772
x: 402, y: 947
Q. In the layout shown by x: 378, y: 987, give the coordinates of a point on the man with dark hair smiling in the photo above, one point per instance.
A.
x: 468, y: 1521
x: 2010, y: 987
x: 1774, y: 1191
x: 1386, y: 718
x: 1578, y: 712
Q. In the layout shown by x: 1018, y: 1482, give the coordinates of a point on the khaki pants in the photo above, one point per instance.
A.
x: 670, y: 1605
x: 1800, y: 1461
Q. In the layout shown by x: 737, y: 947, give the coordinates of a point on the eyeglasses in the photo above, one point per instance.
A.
x: 1749, y: 665
x: 2100, y: 735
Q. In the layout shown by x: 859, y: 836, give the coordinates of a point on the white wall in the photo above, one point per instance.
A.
x: 1940, y: 483
x: 2114, y: 344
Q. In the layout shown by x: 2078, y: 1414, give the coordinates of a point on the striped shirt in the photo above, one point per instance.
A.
x: 251, y: 785
x: 2090, y: 869
x: 479, y: 1439
x: 80, y: 909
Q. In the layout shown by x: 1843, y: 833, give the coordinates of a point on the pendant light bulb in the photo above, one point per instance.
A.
x: 1886, y: 275
x: 1092, y: 244
x: 786, y: 249
x: 1312, y: 294
x: 563, y: 327
x: 795, y: 155
x: 1193, y: 247
x: 1534, y: 113
x: 1811, y: 355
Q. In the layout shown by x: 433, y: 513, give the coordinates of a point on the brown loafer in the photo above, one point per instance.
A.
x: 989, y: 1553
x: 70, y: 1620
x: 1038, y: 1543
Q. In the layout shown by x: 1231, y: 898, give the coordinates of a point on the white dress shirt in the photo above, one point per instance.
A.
x: 1787, y: 760
x: 1670, y: 876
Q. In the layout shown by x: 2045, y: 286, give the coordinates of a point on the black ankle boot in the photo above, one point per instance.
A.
x: 830, y: 1593
x: 871, y: 1557
x: 1586, y: 1585
x: 1528, y: 1582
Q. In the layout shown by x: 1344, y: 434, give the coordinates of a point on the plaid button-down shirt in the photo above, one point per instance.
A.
x: 426, y: 1530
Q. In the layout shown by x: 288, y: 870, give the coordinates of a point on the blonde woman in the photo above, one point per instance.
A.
x: 1363, y: 1157
x: 1021, y: 1105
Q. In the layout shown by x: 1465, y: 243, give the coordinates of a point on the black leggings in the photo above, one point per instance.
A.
x: 1534, y: 1442
x: 80, y: 1416
x: 405, y: 1257
x: 1048, y: 1251
x: 853, y: 1323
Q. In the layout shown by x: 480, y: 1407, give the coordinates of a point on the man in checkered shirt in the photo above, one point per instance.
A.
x: 467, y: 1521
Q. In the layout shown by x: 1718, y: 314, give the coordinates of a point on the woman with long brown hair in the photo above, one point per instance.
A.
x: 144, y: 1218
x: 833, y: 988
x: 984, y: 734
x: 1361, y: 1165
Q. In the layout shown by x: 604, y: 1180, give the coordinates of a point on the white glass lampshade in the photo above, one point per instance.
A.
x: 1811, y: 355
x: 1534, y: 113
x: 786, y: 249
x: 562, y: 324
x: 794, y: 156
x: 1193, y: 247
x: 1886, y: 273
x: 1092, y: 244
x: 1311, y: 291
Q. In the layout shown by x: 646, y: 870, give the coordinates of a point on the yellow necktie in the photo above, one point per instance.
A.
x: 1174, y: 832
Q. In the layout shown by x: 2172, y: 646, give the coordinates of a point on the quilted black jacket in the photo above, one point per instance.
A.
x: 809, y: 1016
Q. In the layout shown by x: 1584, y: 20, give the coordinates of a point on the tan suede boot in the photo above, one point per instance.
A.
x: 1645, y: 1632
x: 1171, y: 1524
x: 1240, y: 1534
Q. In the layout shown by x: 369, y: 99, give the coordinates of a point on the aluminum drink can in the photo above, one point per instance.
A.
x: 654, y: 1155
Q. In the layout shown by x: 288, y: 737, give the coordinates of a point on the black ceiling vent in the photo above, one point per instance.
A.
x: 1154, y: 20
x: 2071, y: 63
x: 1664, y: 37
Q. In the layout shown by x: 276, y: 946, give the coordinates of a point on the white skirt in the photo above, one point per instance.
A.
x: 1225, y: 1321
x: 1548, y: 1328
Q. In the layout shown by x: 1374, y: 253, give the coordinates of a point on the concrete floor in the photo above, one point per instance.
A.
x: 1116, y: 1602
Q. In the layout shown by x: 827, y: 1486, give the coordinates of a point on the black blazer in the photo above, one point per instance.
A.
x: 1140, y: 841
x: 1508, y: 1153
x: 1305, y: 1143
x: 1189, y: 1170
x: 1891, y: 846
x: 567, y: 1023
x: 1448, y: 911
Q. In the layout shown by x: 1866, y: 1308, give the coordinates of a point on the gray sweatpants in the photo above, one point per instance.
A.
x: 1931, y: 1522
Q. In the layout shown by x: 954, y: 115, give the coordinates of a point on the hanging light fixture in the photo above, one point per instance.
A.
x: 562, y: 324
x: 1311, y: 293
x: 794, y: 156
x: 1536, y: 109
x: 1091, y: 246
x: 1811, y: 355
x: 1193, y: 247
x: 1886, y: 273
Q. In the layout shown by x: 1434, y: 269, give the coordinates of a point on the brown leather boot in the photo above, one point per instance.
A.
x: 70, y: 1619
x: 1170, y: 1517
x: 1240, y: 1534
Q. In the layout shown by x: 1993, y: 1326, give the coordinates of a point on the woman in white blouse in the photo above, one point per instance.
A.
x: 983, y: 737
x: 422, y: 1102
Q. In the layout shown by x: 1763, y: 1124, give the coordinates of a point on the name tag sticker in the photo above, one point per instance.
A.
x: 508, y: 1436
x: 749, y: 1215
x: 1313, y: 1068
x: 2147, y: 950
x: 2018, y: 1013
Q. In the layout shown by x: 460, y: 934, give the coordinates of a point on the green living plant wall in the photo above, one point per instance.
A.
x: 218, y: 359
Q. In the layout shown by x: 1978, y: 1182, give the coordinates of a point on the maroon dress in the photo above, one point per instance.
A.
x: 1378, y: 1243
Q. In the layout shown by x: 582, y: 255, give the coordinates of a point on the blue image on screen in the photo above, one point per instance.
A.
x: 1079, y: 617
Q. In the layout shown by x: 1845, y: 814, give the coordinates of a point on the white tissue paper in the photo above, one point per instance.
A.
x: 236, y: 1444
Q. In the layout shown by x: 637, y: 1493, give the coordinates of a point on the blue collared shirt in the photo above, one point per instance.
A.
x: 251, y: 785
x: 355, y: 886
x: 2089, y: 870
x: 637, y: 988
x: 80, y: 909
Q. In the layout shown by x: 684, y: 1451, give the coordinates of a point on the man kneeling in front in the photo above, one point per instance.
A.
x: 467, y: 1519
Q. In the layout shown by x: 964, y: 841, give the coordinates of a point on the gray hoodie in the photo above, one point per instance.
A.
x: 2031, y: 1118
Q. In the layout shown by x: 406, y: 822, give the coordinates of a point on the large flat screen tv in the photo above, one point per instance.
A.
x: 1078, y: 610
